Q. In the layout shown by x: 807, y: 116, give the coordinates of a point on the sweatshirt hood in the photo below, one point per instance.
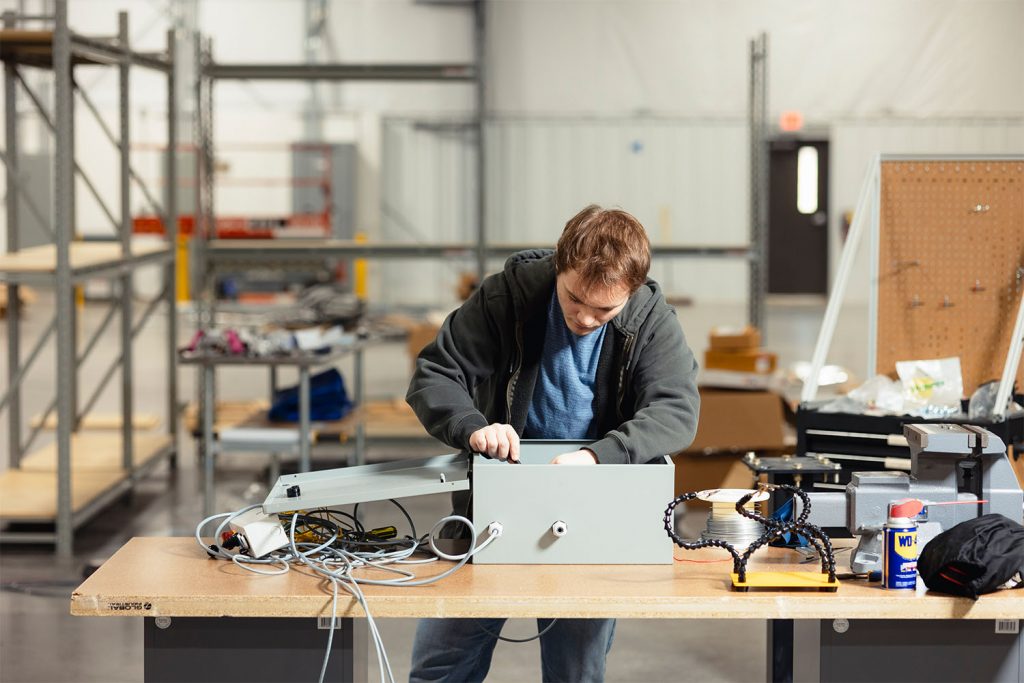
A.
x: 531, y: 274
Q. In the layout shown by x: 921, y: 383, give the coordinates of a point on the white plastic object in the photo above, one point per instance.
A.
x: 263, y: 533
x: 730, y: 495
x: 559, y: 528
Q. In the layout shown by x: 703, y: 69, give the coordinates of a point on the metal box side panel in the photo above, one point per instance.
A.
x: 613, y: 513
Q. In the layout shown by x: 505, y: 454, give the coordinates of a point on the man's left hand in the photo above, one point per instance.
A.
x: 580, y: 457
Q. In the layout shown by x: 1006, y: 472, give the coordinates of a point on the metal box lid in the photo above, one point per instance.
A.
x: 368, y: 483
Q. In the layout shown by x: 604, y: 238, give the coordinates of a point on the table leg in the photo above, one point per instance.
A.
x: 780, y: 651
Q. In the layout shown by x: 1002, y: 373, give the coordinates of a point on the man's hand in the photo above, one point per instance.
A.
x: 497, y: 441
x: 580, y: 457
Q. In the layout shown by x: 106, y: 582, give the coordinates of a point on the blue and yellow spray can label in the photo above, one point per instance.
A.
x: 899, y: 568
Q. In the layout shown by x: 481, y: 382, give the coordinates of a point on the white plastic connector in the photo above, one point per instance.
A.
x: 263, y: 533
x: 495, y: 529
x: 559, y: 528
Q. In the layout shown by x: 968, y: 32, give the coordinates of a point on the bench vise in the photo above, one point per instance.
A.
x: 958, y: 471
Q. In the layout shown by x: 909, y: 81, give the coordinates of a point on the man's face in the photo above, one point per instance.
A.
x: 587, y: 309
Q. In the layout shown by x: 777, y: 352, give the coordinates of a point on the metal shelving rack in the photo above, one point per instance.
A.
x: 214, y: 255
x: 68, y: 483
x: 210, y: 254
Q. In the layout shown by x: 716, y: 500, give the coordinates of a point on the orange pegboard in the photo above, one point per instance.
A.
x: 950, y: 263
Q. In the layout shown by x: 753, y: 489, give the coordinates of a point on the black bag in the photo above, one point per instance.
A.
x: 974, y: 557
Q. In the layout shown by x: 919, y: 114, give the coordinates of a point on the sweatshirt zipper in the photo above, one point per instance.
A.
x: 626, y: 351
x: 514, y: 377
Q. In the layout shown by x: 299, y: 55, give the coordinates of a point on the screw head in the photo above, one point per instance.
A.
x: 162, y: 622
x: 840, y: 625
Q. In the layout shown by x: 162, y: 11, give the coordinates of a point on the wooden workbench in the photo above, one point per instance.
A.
x: 175, y: 578
x: 184, y: 598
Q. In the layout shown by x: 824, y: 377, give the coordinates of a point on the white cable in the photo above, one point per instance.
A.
x: 473, y: 550
x: 338, y: 564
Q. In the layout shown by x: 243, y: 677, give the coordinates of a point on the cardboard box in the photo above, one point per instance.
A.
x: 735, y: 339
x: 731, y: 423
x: 739, y: 421
x: 420, y: 335
x: 697, y: 472
x: 756, y: 360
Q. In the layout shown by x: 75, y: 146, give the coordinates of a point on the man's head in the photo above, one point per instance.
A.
x: 601, y: 258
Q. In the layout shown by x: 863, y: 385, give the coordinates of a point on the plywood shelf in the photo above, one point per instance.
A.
x: 30, y: 492
x: 35, y: 48
x: 392, y: 419
x: 97, y: 452
x: 88, y: 259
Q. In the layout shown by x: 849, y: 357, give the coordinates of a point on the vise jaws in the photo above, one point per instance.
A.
x: 958, y: 471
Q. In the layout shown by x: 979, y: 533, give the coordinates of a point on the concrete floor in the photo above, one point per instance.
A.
x: 39, y: 641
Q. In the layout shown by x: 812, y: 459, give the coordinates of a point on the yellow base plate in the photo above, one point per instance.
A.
x: 785, y: 581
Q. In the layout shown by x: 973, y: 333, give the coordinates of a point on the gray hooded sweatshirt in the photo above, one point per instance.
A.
x: 483, y: 366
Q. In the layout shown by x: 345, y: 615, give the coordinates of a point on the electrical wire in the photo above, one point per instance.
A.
x: 515, y: 640
x: 334, y: 545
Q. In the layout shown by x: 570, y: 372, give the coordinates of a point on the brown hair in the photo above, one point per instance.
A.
x: 605, y: 247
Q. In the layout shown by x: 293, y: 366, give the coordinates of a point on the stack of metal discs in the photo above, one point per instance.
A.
x: 724, y: 523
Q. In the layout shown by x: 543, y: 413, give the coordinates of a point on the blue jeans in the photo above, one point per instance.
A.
x: 459, y: 650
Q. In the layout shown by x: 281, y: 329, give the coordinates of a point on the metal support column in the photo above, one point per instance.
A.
x: 758, y: 122
x: 360, y: 395
x: 170, y: 200
x: 204, y: 114
x: 479, y: 29
x: 125, y: 294
x: 77, y: 290
x: 13, y: 225
x: 206, y: 372
x: 64, y: 292
x: 304, y: 422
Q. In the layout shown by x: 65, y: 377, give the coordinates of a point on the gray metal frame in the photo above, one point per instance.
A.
x: 213, y: 255
x: 209, y: 448
x: 69, y: 50
x: 759, y: 168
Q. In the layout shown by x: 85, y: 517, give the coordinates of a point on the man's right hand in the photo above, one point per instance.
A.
x: 497, y: 441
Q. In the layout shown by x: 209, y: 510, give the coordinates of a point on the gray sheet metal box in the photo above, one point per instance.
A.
x: 566, y: 514
x: 550, y: 514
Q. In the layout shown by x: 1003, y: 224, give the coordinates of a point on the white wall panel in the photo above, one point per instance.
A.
x: 686, y: 180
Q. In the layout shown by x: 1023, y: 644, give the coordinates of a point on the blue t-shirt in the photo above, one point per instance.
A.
x: 562, y: 404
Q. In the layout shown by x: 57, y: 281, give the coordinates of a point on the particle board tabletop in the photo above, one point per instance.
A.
x: 173, y: 577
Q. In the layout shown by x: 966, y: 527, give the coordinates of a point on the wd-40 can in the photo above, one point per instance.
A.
x: 899, y: 562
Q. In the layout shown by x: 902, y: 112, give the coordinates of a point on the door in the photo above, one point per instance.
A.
x: 798, y: 217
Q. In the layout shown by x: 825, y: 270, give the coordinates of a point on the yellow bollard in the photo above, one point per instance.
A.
x: 183, y: 291
x: 361, y: 270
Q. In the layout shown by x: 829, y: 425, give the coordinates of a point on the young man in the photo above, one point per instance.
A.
x: 575, y: 344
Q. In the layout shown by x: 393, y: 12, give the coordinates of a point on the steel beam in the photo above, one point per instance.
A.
x: 479, y: 54
x: 758, y: 125
x: 53, y: 129
x: 20, y: 370
x: 171, y: 231
x: 105, y: 52
x: 64, y: 292
x: 109, y: 134
x: 15, y: 185
x: 125, y: 295
x: 341, y: 72
x: 13, y: 225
